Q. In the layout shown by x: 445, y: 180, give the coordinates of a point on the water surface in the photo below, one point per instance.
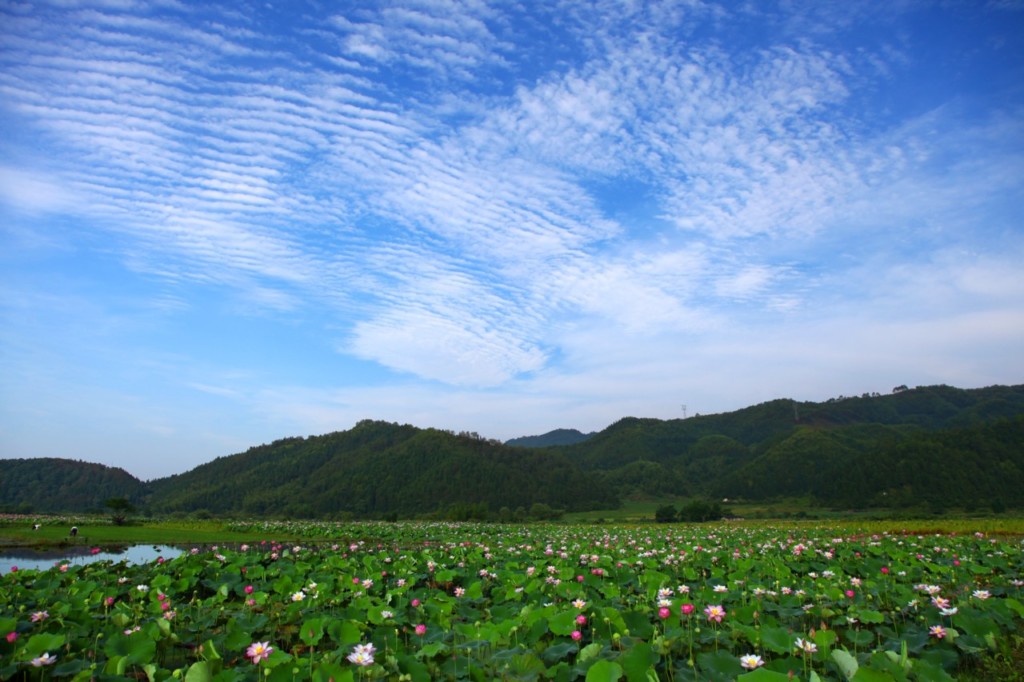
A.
x: 26, y: 559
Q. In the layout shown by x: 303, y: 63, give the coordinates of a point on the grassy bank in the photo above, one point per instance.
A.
x: 99, y: 531
x: 801, y: 511
x: 54, y: 531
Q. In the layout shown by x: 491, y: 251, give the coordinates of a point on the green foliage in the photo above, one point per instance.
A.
x: 873, y: 465
x: 549, y: 439
x: 540, y: 511
x: 56, y: 485
x: 119, y: 508
x: 646, y: 478
x: 699, y: 511
x: 666, y: 513
x: 461, y: 511
x: 444, y: 601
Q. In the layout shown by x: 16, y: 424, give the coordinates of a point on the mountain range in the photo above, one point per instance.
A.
x: 932, y: 445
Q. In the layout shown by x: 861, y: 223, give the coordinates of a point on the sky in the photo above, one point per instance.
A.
x: 225, y: 224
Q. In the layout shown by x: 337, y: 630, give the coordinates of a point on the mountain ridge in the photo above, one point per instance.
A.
x: 835, y: 452
x: 554, y: 437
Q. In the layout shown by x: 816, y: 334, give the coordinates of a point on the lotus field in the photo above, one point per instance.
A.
x: 438, y: 601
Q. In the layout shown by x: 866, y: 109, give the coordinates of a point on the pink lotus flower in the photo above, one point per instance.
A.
x: 937, y: 631
x: 715, y: 613
x: 39, y: 616
x: 259, y: 651
x: 581, y: 619
x: 12, y: 637
x: 577, y: 635
x: 664, y: 612
x: 850, y: 594
x: 421, y: 629
x: 249, y: 589
x: 687, y: 609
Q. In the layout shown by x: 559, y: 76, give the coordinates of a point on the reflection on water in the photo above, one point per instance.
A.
x: 26, y: 559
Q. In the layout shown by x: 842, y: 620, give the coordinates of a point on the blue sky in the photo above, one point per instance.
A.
x: 225, y: 224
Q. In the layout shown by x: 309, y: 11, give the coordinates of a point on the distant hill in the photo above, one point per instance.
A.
x: 872, y: 465
x: 55, y: 485
x: 781, y: 447
x: 379, y: 468
x: 556, y: 437
x: 937, y: 446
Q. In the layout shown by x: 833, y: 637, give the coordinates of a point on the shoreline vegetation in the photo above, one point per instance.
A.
x: 17, y: 530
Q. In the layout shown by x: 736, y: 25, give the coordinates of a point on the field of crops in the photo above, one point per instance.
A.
x: 563, y: 602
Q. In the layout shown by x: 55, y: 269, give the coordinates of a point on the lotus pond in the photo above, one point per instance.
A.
x: 419, y: 601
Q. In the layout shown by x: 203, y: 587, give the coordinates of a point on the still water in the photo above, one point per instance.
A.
x: 25, y: 559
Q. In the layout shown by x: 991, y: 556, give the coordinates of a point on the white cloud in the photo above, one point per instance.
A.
x: 748, y: 282
x: 449, y: 38
x: 444, y: 348
x: 35, y: 192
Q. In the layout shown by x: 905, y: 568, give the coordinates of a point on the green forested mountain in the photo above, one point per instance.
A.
x: 54, y: 485
x: 556, y: 437
x: 779, y: 448
x: 871, y: 465
x: 935, y: 445
x: 379, y: 468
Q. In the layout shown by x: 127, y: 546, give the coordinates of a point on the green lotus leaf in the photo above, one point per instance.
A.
x: 604, y: 671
